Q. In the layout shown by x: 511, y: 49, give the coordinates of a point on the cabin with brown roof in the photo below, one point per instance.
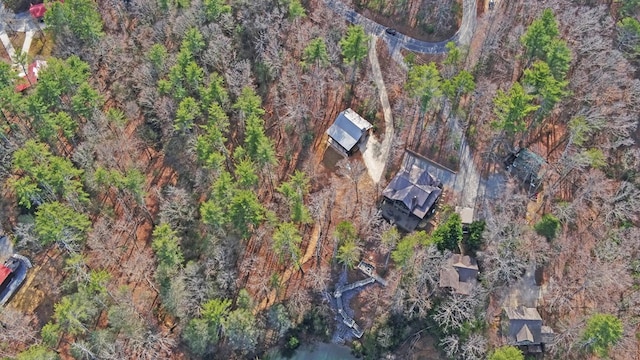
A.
x: 460, y: 274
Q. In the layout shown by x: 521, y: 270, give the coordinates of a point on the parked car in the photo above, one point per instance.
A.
x: 391, y: 31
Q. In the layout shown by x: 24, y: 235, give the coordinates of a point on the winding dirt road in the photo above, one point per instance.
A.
x: 375, y: 153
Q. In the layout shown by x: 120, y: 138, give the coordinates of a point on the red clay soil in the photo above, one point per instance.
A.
x: 293, y: 281
x: 422, y: 59
x: 261, y: 248
x: 132, y: 233
x: 394, y: 76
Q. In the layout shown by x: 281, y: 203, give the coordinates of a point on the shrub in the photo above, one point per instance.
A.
x: 507, y: 353
x: 547, y: 226
x: 473, y: 241
x: 602, y: 332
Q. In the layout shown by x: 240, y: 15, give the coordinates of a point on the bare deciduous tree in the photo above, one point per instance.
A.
x: 176, y: 208
x: 420, y: 282
x: 153, y: 345
x: 197, y: 289
x: 27, y: 239
x: 624, y: 204
x: 568, y: 335
x: 299, y: 303
x: 474, y: 348
x: 352, y: 170
x: 451, y: 345
x: 456, y: 310
x: 238, y: 76
x: 504, y: 233
x: 318, y: 277
x: 17, y: 329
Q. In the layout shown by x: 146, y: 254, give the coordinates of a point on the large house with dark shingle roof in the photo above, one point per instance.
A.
x: 410, y: 196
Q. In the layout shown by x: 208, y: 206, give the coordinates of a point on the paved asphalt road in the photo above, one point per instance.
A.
x: 462, y: 36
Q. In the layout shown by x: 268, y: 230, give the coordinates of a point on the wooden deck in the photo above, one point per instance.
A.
x: 368, y: 270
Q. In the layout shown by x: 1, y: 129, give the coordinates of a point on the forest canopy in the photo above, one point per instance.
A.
x: 168, y: 171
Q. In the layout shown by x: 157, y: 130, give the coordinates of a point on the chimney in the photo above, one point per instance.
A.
x: 414, y: 202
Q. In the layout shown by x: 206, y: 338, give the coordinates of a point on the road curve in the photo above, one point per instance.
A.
x: 461, y: 37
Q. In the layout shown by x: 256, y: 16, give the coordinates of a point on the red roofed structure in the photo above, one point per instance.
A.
x: 5, y: 272
x: 31, y: 77
x: 37, y: 11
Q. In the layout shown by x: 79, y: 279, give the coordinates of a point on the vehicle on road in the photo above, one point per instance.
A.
x: 391, y: 31
x: 12, y: 274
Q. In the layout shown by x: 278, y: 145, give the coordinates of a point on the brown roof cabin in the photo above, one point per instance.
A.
x: 460, y: 274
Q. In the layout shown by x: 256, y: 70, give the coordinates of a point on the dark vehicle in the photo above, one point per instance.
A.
x: 391, y: 31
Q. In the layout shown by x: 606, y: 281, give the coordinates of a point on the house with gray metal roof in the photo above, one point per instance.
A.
x: 348, y: 130
x: 410, y: 196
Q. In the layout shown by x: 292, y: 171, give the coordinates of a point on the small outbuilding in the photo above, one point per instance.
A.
x: 37, y: 11
x: 459, y: 274
x: 30, y: 78
x: 466, y: 218
x: 348, y: 131
x: 411, y: 195
x: 466, y: 215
